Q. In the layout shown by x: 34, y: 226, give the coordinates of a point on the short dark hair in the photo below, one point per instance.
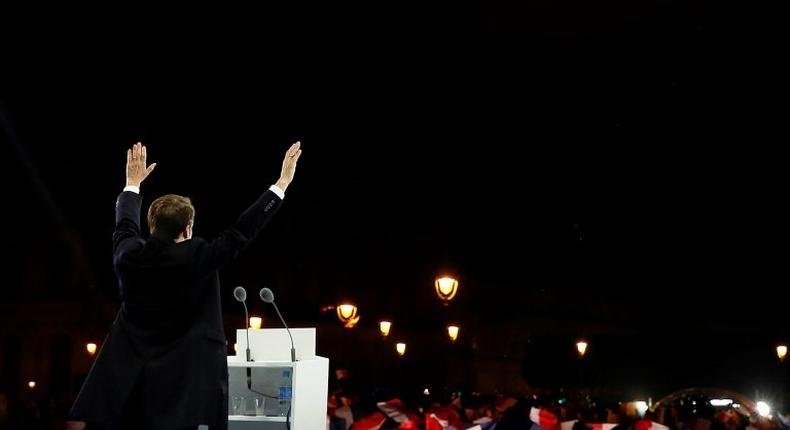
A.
x: 170, y: 214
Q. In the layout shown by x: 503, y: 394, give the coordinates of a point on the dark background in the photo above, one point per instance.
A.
x: 606, y: 170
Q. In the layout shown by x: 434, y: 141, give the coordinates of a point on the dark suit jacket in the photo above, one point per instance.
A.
x: 167, y: 344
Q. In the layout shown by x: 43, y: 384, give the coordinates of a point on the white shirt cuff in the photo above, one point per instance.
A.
x: 132, y: 188
x: 276, y: 190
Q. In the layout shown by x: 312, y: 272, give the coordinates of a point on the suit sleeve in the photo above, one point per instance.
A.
x: 127, y: 220
x: 222, y: 250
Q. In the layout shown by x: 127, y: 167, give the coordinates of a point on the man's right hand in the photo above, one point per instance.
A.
x: 289, y: 166
x: 136, y: 170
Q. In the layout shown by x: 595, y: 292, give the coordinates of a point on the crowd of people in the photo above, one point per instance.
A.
x: 359, y: 408
x: 382, y: 409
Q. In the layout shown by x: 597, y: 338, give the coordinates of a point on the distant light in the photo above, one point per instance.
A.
x: 31, y: 384
x: 346, y: 311
x: 384, y: 327
x: 581, y: 347
x: 763, y: 409
x: 446, y: 288
x: 256, y: 322
x: 720, y: 402
x: 452, y: 331
x: 641, y: 407
x: 426, y: 392
x: 91, y: 348
x: 736, y: 405
x: 781, y: 352
x: 348, y: 315
x: 562, y: 401
x: 401, y: 348
x: 694, y: 402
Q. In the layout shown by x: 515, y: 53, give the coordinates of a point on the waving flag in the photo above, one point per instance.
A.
x: 443, y: 419
x: 484, y: 423
x: 568, y: 425
x: 373, y: 421
x: 400, y: 414
x: 649, y: 425
x: 543, y: 418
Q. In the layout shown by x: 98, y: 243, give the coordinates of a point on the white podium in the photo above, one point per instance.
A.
x: 270, y: 369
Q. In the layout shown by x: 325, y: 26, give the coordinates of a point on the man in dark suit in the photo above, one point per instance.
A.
x: 163, y: 365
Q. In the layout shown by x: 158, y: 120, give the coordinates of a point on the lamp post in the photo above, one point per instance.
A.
x: 451, y: 377
x: 400, y: 348
x: 781, y: 354
x: 581, y: 349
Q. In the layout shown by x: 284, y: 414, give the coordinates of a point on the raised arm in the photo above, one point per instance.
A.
x: 230, y: 242
x: 127, y: 207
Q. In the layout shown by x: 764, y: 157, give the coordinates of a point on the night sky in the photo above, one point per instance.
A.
x: 612, y: 164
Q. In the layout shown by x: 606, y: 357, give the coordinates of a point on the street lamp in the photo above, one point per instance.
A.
x: 781, y: 352
x: 256, y: 322
x: 385, y: 327
x: 581, y: 348
x: 401, y: 348
x: 91, y: 348
x: 446, y: 288
x: 347, y: 314
x: 452, y: 331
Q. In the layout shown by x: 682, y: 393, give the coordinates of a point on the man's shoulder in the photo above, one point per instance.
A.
x: 129, y: 249
x: 196, y: 241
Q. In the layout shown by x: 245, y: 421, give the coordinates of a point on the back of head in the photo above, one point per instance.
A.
x: 169, y: 215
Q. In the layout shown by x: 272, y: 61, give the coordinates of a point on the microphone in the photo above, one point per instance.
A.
x: 268, y: 296
x: 241, y: 295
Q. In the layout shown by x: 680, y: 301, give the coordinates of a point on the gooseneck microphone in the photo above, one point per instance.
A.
x: 268, y: 296
x: 241, y: 295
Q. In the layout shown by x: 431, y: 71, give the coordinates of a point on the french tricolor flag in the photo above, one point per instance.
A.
x: 543, y: 418
x: 400, y: 414
x: 649, y: 425
x: 443, y: 419
x: 601, y: 426
x: 568, y: 425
